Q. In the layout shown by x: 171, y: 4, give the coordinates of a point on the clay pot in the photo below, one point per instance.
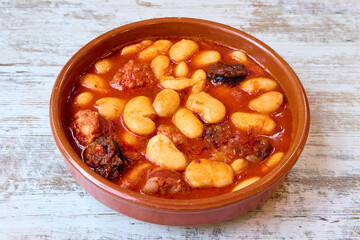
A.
x: 168, y: 211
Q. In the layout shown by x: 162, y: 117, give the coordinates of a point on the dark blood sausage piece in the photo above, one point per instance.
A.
x: 164, y: 181
x: 221, y: 141
x: 133, y: 75
x: 228, y: 74
x: 256, y: 150
x: 217, y: 134
x: 105, y: 157
x: 227, y: 144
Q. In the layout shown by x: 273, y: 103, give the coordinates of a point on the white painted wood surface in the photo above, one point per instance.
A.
x: 320, y: 199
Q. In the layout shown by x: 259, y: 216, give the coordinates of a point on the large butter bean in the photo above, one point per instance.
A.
x: 205, y: 58
x: 249, y: 121
x: 159, y: 65
x: 166, y: 102
x: 159, y: 47
x: 94, y: 82
x: 209, y: 108
x: 137, y: 115
x: 239, y: 56
x: 183, y: 50
x: 176, y: 83
x: 84, y: 99
x: 199, y: 81
x: 110, y: 107
x: 259, y: 84
x: 208, y: 173
x: 274, y: 159
x: 134, y: 48
x: 181, y: 70
x: 162, y: 151
x: 239, y: 165
x: 267, y: 102
x: 102, y: 66
x: 245, y: 183
x: 188, y: 123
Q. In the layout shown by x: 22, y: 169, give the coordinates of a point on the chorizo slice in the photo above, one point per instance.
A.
x: 86, y: 126
x: 133, y: 75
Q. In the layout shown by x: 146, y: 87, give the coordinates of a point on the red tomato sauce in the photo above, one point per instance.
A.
x: 234, y: 98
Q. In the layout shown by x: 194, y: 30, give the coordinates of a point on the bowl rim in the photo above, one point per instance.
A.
x: 132, y: 197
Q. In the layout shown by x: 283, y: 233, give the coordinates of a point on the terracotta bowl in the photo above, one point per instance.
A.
x: 179, y: 212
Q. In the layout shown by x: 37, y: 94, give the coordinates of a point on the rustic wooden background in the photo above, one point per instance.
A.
x: 320, y: 199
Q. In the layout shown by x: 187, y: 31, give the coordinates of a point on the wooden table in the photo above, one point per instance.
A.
x: 320, y: 199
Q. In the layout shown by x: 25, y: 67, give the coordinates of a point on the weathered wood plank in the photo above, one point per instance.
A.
x: 320, y: 199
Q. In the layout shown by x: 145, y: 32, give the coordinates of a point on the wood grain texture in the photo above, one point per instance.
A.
x: 320, y: 199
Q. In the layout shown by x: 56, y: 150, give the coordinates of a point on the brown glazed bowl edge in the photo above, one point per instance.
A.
x: 194, y: 211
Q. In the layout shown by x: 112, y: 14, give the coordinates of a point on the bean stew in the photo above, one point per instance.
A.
x: 178, y: 118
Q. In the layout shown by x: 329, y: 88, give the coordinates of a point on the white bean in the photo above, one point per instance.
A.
x: 205, y: 58
x: 83, y: 99
x: 134, y: 48
x: 254, y: 85
x: 199, y: 81
x: 188, y: 123
x: 239, y: 165
x: 159, y: 47
x: 162, y: 151
x: 209, y: 108
x: 181, y: 70
x: 275, y: 159
x: 208, y: 173
x: 239, y: 56
x: 102, y: 66
x: 249, y: 121
x: 110, y: 107
x: 94, y: 82
x: 159, y: 65
x: 176, y: 83
x: 137, y: 115
x: 166, y: 102
x: 272, y: 161
x: 183, y: 50
x: 246, y: 183
x: 267, y: 102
